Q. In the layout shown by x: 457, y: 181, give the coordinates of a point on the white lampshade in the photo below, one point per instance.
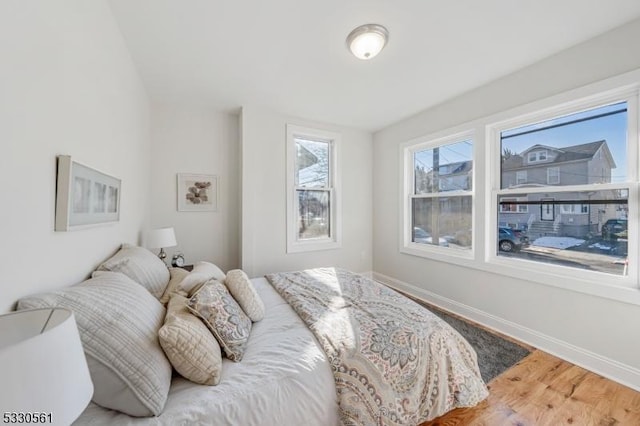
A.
x: 161, y: 238
x: 367, y: 41
x: 43, y: 368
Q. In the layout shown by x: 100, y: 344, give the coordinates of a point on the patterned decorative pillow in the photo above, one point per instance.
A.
x: 118, y: 322
x: 245, y: 294
x: 224, y: 317
x: 191, y: 348
x: 201, y: 273
x: 141, y: 266
x: 177, y: 275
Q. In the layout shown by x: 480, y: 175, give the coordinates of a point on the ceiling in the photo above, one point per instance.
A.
x: 291, y: 55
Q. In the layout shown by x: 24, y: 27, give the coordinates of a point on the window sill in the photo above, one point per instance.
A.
x: 606, y: 286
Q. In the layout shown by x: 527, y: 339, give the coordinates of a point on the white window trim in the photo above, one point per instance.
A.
x: 407, y: 151
x: 621, y: 289
x: 521, y: 175
x: 576, y: 279
x: 294, y: 244
x: 556, y: 175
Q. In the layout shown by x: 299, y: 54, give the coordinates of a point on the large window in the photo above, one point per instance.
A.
x: 439, y: 196
x: 312, y: 199
x: 577, y: 186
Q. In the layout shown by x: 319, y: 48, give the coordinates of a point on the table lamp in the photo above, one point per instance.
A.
x: 161, y: 238
x: 43, y: 367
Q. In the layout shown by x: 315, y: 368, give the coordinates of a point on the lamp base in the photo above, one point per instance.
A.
x: 162, y: 255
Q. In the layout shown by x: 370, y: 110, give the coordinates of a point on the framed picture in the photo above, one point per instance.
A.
x: 84, y: 196
x: 197, y: 193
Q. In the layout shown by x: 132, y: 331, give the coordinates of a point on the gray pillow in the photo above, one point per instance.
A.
x: 224, y: 317
x: 141, y: 266
x: 118, y: 322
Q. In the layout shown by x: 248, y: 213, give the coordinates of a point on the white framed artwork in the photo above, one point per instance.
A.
x: 197, y: 192
x: 85, y: 196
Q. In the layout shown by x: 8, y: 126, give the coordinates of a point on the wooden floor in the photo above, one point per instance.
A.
x: 545, y: 390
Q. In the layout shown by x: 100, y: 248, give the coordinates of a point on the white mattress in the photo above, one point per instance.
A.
x: 284, y: 379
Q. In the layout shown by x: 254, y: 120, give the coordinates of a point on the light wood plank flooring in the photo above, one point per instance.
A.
x: 545, y: 390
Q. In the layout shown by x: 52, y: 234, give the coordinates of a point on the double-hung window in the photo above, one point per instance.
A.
x: 587, y: 179
x: 313, y: 204
x: 438, y: 196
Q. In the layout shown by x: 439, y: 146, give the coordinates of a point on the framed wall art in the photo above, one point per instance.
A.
x: 197, y: 193
x: 84, y: 196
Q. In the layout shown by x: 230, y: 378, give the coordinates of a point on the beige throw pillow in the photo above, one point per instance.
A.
x: 224, y: 317
x: 191, y: 348
x: 245, y: 294
x: 141, y: 266
x: 177, y: 275
x: 201, y: 273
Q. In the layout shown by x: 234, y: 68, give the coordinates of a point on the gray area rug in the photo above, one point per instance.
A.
x: 495, y: 354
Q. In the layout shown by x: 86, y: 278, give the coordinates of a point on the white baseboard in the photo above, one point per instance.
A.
x: 607, y: 367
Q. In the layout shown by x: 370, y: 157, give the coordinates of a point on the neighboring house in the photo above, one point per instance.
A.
x: 542, y: 165
x: 537, y: 166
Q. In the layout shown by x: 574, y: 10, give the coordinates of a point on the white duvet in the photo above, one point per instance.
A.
x: 283, y: 379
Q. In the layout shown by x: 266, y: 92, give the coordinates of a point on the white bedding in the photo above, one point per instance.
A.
x: 284, y: 379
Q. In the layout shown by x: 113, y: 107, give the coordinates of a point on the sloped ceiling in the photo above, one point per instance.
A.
x: 291, y: 55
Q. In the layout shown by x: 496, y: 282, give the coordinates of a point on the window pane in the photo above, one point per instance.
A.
x: 578, y: 149
x: 443, y: 221
x: 312, y: 163
x: 580, y: 229
x: 313, y: 214
x: 445, y: 168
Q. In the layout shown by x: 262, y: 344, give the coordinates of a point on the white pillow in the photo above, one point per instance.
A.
x: 177, y: 275
x: 118, y: 322
x: 141, y: 266
x: 201, y: 273
x: 191, y: 348
x: 245, y: 294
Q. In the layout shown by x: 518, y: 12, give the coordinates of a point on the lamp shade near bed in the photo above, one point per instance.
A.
x: 43, y: 368
x: 161, y: 238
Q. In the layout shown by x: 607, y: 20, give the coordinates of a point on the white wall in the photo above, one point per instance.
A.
x: 596, y: 332
x: 68, y: 86
x: 189, y: 139
x: 264, y: 235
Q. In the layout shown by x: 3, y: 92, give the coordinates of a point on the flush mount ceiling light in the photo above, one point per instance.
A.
x: 367, y: 41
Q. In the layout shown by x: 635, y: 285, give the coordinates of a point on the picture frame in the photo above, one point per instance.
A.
x: 197, y: 192
x: 85, y: 197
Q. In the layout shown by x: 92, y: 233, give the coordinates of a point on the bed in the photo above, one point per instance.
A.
x: 329, y: 347
x: 283, y: 379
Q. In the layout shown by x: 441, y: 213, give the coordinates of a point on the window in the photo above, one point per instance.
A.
x: 536, y: 156
x: 513, y: 205
x: 565, y: 225
x: 312, y: 190
x: 439, y: 196
x: 574, y: 208
x: 521, y: 177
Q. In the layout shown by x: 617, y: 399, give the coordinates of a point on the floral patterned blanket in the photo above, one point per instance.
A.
x: 394, y: 362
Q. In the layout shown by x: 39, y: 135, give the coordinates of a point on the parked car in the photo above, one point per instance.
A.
x: 614, y: 229
x: 421, y: 236
x: 508, y: 240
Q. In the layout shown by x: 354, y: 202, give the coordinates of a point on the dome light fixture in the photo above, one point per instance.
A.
x: 366, y: 41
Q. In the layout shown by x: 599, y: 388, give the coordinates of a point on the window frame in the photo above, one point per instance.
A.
x: 545, y: 273
x: 407, y: 194
x: 334, y: 241
x: 519, y: 174
x: 606, y: 286
x: 556, y: 174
